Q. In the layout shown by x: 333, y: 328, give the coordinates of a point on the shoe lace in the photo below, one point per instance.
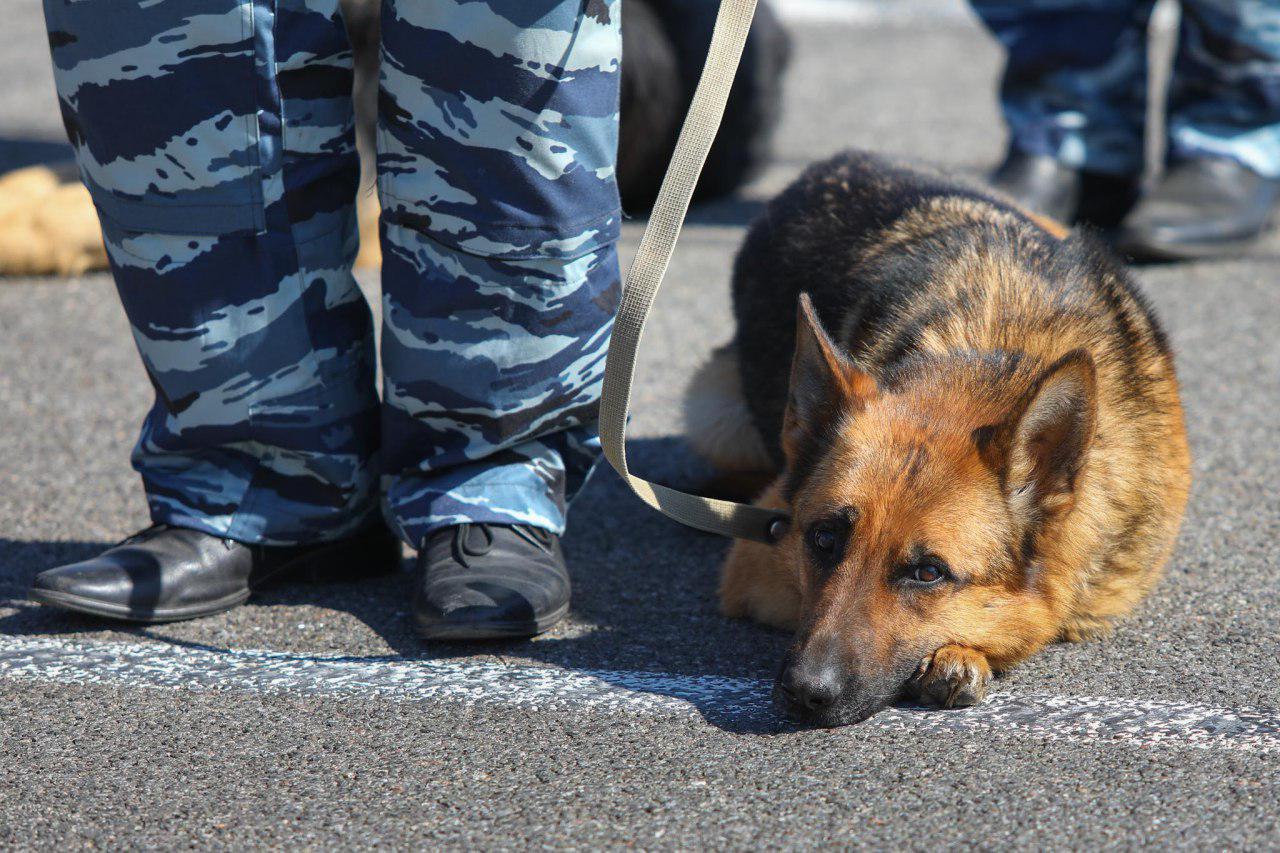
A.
x: 465, y: 545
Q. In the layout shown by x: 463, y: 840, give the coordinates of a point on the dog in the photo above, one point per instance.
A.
x: 664, y: 46
x: 979, y: 440
x: 48, y: 225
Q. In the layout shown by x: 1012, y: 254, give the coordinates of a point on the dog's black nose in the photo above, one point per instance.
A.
x: 811, y: 688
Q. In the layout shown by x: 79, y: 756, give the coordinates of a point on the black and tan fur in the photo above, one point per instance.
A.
x: 974, y: 393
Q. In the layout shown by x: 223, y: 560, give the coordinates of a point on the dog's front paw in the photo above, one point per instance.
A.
x: 952, y: 677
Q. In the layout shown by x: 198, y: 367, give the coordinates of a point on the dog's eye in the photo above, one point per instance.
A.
x: 824, y: 540
x: 827, y: 538
x: 927, y: 573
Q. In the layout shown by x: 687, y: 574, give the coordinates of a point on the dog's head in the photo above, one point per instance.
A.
x: 916, y: 511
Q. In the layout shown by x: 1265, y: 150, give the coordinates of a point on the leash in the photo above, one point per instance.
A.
x: 644, y: 277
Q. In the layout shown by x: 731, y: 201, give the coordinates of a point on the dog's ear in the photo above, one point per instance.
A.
x: 1043, y: 446
x: 824, y: 383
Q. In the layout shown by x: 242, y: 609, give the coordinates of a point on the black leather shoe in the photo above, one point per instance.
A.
x: 165, y: 574
x: 1044, y: 185
x: 489, y: 581
x: 1205, y: 207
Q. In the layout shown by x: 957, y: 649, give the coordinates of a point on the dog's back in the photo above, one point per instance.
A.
x: 925, y: 281
x: 902, y: 262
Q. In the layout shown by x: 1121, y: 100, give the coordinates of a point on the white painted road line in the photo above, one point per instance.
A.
x: 873, y: 12
x: 734, y: 702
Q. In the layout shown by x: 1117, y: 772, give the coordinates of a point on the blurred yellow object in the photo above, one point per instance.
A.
x: 368, y: 210
x: 47, y: 224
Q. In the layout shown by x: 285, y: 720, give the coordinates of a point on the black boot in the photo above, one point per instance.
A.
x: 489, y: 581
x: 1205, y: 207
x: 165, y: 574
x: 1044, y: 185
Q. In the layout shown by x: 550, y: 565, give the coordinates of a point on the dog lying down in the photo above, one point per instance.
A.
x: 979, y: 438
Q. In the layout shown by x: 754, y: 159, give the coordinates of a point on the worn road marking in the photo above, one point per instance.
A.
x: 737, y: 703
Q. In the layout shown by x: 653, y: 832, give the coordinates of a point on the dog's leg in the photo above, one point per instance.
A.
x: 1081, y: 628
x: 756, y: 584
x: 717, y: 421
x: 952, y: 677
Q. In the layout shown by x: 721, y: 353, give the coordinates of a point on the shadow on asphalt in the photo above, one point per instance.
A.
x: 18, y: 153
x: 733, y: 211
x: 644, y: 599
x: 728, y: 211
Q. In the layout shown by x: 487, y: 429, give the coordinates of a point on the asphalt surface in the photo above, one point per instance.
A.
x: 113, y: 764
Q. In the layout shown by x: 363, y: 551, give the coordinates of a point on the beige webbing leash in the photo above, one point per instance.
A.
x: 645, y: 277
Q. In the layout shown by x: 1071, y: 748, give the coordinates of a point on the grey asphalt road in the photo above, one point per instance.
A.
x: 116, y: 762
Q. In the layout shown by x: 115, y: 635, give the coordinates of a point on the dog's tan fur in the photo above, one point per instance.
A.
x: 717, y: 421
x: 1043, y: 547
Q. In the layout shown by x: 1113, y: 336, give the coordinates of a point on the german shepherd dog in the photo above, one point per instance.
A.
x: 979, y: 439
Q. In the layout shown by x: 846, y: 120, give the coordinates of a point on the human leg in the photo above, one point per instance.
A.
x: 497, y: 148
x: 215, y: 138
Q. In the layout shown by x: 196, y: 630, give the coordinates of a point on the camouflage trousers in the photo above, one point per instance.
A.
x: 1075, y: 84
x: 216, y: 138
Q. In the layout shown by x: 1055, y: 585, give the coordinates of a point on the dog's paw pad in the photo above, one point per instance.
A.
x: 952, y: 677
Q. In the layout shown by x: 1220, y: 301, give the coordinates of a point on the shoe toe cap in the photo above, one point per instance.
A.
x: 104, y: 587
x: 90, y: 579
x: 498, y: 599
x: 489, y: 581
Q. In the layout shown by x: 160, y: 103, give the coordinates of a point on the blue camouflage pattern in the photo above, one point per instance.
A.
x: 1074, y: 86
x: 500, y: 274
x: 217, y: 140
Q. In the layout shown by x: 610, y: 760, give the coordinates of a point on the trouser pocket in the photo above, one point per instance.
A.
x: 160, y: 101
